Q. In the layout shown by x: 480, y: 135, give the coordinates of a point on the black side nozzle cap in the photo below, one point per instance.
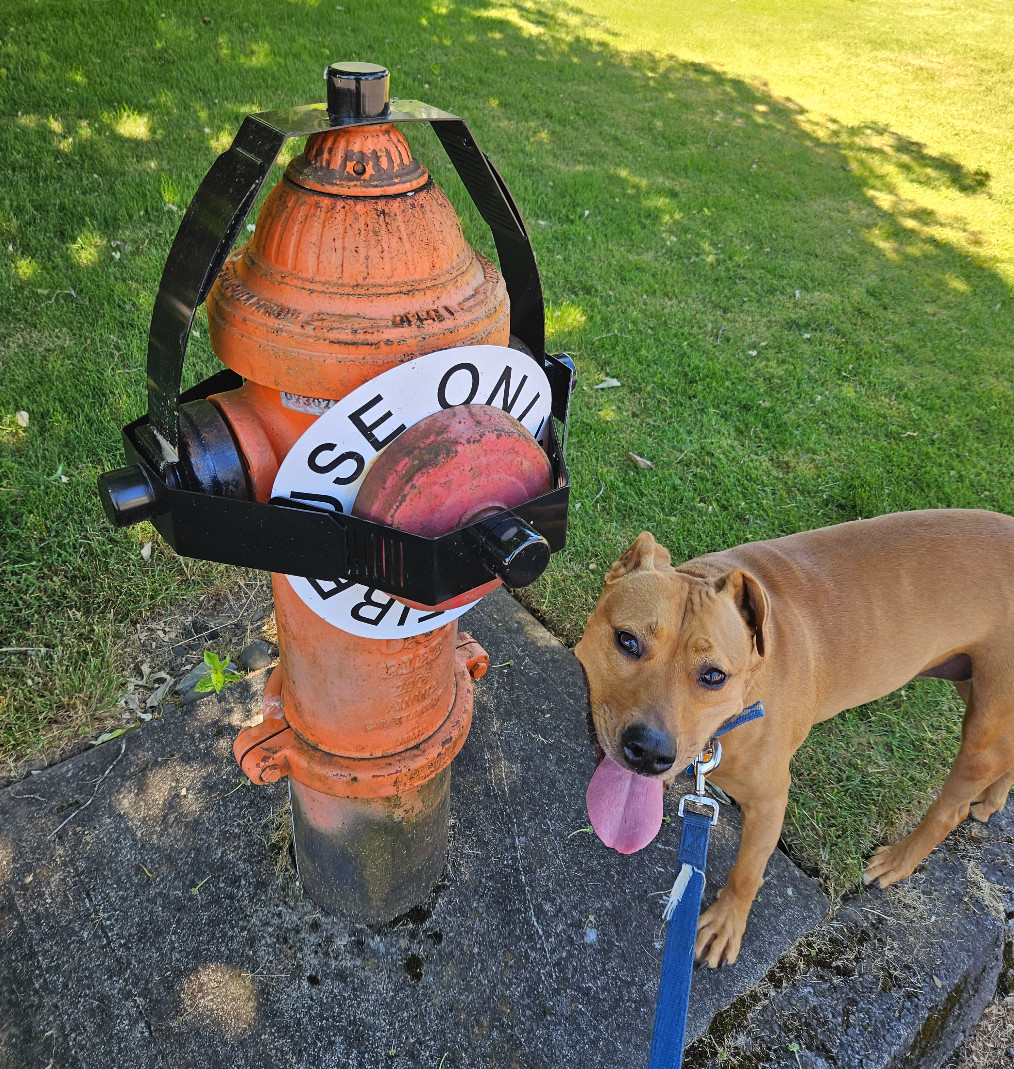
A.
x: 128, y: 496
x: 357, y: 91
x: 511, y: 549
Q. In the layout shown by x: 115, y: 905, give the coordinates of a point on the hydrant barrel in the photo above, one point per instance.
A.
x: 358, y: 263
x: 371, y: 858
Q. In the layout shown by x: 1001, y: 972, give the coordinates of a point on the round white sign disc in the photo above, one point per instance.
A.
x: 328, y: 463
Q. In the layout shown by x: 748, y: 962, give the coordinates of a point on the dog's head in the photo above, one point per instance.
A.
x: 668, y: 657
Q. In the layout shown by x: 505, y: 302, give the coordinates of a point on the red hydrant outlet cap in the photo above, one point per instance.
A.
x: 451, y: 469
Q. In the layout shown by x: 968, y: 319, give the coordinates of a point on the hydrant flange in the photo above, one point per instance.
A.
x: 271, y: 750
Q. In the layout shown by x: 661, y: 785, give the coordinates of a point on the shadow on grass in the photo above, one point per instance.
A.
x: 910, y: 158
x: 798, y: 342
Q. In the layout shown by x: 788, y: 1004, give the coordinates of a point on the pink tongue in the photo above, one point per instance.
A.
x: 625, y: 809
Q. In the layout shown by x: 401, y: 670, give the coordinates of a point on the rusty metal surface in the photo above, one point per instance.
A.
x: 361, y: 696
x: 475, y: 658
x: 453, y: 468
x: 271, y: 750
x: 450, y: 469
x: 376, y: 163
x: 338, y: 286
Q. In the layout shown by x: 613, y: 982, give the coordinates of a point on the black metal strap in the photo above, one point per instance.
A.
x: 203, y: 241
x: 514, y: 250
x: 296, y: 539
x: 224, y: 199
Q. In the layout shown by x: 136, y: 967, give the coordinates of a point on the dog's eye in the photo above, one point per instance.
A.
x: 628, y: 643
x: 712, y: 677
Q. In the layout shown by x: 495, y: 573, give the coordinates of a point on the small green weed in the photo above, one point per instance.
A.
x: 219, y: 676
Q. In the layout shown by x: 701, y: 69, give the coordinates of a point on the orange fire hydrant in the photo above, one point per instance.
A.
x: 357, y: 265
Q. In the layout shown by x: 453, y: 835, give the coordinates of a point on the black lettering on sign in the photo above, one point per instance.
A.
x: 531, y: 403
x: 381, y: 608
x: 504, y: 383
x: 335, y: 504
x: 367, y: 429
x: 325, y: 592
x: 472, y: 371
x: 431, y: 615
x: 313, y: 462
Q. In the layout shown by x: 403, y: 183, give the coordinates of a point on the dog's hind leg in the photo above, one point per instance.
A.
x: 980, y: 777
x: 994, y: 798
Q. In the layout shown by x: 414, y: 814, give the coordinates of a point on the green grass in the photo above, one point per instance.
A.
x: 785, y: 228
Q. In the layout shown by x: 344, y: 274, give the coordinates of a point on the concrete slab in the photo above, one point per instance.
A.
x: 896, y: 980
x: 142, y: 922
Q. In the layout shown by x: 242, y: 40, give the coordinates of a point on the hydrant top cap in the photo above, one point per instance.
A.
x: 358, y: 161
x: 357, y: 90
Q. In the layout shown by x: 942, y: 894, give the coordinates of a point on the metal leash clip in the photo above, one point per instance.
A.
x: 707, y: 761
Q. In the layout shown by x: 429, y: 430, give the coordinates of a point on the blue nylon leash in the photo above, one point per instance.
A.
x: 683, y: 909
x: 678, y: 960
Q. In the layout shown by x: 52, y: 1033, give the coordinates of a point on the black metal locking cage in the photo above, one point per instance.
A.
x: 282, y: 536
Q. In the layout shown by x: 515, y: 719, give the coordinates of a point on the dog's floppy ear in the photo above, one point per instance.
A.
x: 644, y: 553
x: 750, y: 599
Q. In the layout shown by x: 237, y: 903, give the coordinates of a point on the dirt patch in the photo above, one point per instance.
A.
x: 991, y: 1045
x: 163, y: 646
x: 220, y: 998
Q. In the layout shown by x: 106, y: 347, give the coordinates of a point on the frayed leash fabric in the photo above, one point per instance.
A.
x: 678, y: 960
x: 676, y: 894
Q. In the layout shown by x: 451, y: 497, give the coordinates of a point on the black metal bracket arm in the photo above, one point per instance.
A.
x: 224, y: 200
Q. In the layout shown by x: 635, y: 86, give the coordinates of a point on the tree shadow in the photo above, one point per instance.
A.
x: 799, y: 341
x: 909, y: 157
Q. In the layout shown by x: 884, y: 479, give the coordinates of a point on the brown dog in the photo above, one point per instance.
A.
x: 809, y: 624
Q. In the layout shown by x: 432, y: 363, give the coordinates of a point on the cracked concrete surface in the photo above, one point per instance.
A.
x: 151, y: 928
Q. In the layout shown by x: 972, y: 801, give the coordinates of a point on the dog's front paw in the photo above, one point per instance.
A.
x: 892, y: 863
x: 720, y: 931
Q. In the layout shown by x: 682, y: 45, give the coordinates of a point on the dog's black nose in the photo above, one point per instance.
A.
x: 647, y: 750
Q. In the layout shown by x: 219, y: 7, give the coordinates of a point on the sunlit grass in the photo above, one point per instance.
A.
x: 785, y: 230
x: 85, y: 249
x: 130, y: 124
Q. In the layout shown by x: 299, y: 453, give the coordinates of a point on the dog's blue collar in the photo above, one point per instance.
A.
x: 751, y: 712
